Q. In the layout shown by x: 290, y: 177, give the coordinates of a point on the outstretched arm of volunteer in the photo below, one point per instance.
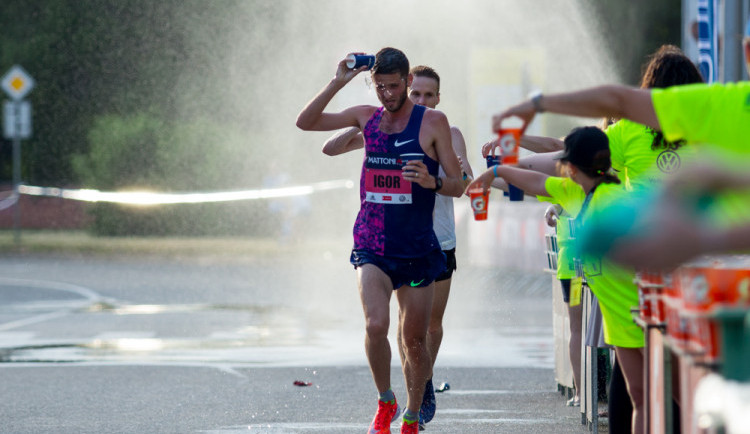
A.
x: 679, y: 239
x: 609, y: 100
x: 681, y: 236
x: 531, y: 182
x: 544, y: 162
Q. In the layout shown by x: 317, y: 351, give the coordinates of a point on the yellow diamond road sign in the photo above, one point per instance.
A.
x: 17, y: 83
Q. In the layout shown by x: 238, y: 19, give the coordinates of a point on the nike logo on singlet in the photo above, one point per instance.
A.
x: 397, y: 143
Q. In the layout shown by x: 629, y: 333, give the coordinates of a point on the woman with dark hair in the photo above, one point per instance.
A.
x: 638, y: 152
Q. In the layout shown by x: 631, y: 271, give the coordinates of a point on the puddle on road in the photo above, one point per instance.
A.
x: 266, y: 335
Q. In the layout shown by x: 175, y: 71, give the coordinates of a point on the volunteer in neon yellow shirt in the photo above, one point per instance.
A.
x: 587, y: 159
x: 711, y: 114
x: 612, y: 285
x: 639, y: 153
x: 640, y: 162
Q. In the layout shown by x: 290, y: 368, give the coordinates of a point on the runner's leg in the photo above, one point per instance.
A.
x: 375, y: 292
x: 435, y: 331
x: 574, y: 344
x: 414, y: 306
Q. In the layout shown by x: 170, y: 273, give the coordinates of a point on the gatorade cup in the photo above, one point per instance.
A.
x: 479, y: 200
x: 355, y: 61
x: 509, y: 135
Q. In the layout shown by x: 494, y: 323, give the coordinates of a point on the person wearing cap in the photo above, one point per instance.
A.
x: 590, y: 187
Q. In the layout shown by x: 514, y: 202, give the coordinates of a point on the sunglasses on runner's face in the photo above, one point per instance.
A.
x: 390, y: 87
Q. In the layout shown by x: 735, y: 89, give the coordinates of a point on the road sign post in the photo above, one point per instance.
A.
x: 17, y: 83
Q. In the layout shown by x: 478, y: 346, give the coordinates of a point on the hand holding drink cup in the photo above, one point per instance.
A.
x: 492, y: 158
x: 479, y: 200
x: 359, y: 62
x: 412, y: 165
x: 524, y: 111
x: 479, y: 194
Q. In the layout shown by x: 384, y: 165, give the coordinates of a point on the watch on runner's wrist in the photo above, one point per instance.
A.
x: 438, y: 183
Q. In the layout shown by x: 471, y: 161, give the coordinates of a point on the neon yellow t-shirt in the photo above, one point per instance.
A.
x: 632, y: 155
x: 612, y: 284
x: 716, y: 115
x: 564, y: 187
x: 700, y: 113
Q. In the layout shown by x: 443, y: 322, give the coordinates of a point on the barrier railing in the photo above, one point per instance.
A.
x: 697, y: 320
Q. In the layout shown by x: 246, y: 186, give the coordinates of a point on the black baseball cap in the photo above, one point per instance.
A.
x: 587, y: 148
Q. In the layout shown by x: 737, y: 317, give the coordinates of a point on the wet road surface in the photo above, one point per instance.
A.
x: 197, y: 345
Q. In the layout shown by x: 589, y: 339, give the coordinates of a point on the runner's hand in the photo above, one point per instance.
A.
x: 344, y: 74
x: 416, y: 171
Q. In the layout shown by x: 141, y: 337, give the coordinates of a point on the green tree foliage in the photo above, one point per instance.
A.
x: 126, y: 99
x: 194, y: 95
x: 98, y: 57
x: 144, y: 152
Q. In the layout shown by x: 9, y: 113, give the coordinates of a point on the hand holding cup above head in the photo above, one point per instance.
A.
x: 344, y: 73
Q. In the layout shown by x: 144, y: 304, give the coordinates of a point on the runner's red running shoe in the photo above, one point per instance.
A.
x: 387, y: 413
x: 410, y: 428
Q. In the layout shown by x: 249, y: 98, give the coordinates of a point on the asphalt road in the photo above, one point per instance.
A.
x: 183, y: 345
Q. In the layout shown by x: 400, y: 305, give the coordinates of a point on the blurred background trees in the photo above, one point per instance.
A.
x: 128, y: 96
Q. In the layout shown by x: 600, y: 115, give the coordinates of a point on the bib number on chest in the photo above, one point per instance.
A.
x: 384, y: 183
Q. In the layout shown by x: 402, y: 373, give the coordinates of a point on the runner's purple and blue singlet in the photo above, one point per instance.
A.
x: 395, y: 217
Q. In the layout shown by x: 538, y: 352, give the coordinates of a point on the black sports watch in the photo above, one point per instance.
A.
x: 438, y: 183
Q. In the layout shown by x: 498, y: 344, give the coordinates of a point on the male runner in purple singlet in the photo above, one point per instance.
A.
x: 395, y: 247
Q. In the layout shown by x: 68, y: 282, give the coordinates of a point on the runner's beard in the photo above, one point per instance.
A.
x: 399, y: 103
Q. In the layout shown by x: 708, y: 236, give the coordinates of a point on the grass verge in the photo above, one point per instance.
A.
x: 84, y: 244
